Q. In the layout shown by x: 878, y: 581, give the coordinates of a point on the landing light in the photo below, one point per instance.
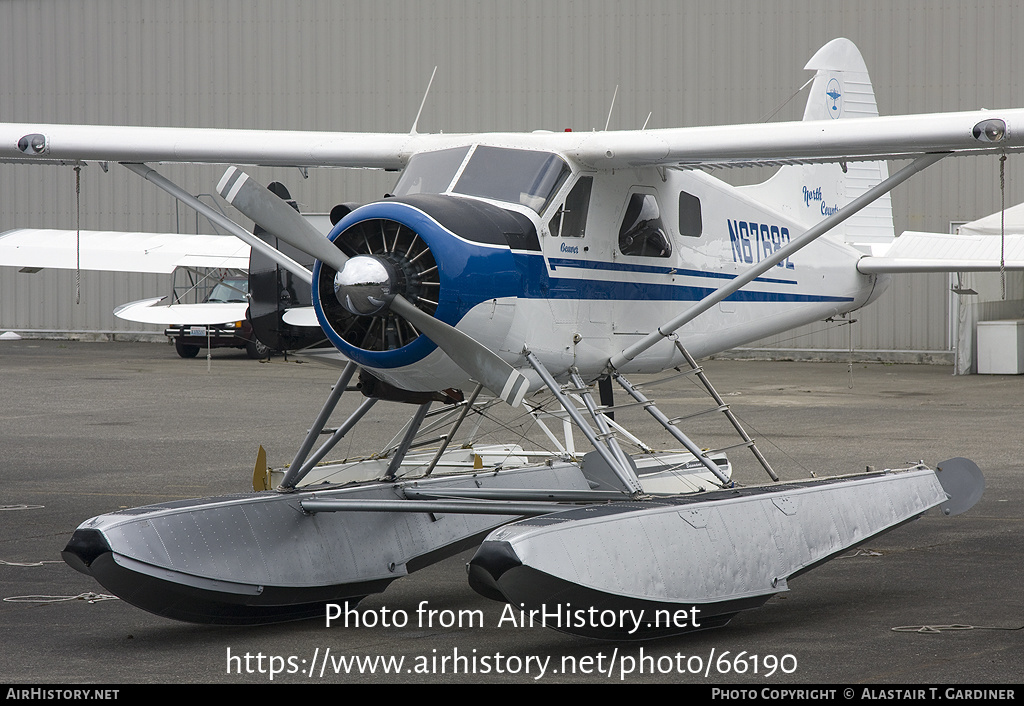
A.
x: 990, y: 131
x: 33, y: 144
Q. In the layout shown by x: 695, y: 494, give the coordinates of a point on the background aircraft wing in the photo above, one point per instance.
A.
x: 119, y: 251
x: 146, y: 311
x: 301, y: 316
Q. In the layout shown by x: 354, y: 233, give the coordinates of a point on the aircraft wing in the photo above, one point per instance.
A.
x: 854, y: 139
x: 22, y: 142
x: 119, y: 251
x: 693, y: 147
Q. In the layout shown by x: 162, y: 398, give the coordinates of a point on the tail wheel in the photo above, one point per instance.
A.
x: 256, y: 349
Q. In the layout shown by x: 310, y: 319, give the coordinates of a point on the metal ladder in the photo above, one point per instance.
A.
x: 721, y: 406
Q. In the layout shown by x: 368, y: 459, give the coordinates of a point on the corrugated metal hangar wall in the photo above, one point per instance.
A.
x: 362, y: 65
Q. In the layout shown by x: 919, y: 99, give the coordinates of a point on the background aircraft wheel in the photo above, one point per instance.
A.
x: 185, y: 350
x: 256, y: 349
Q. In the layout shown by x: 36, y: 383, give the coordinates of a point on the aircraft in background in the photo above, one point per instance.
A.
x: 544, y: 265
x: 221, y: 266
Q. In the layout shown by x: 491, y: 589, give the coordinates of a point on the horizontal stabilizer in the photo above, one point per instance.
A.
x: 301, y: 316
x: 938, y: 252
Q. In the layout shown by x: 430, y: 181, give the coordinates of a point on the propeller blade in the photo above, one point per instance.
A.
x: 277, y: 217
x: 476, y: 359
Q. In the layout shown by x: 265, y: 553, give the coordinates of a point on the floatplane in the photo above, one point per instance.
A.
x: 504, y: 267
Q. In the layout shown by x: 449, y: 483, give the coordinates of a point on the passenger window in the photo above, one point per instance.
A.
x: 570, y: 220
x: 690, y: 223
x: 642, y: 232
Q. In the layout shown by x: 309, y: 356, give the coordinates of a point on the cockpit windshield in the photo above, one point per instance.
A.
x: 430, y: 172
x: 525, y: 177
x: 514, y: 176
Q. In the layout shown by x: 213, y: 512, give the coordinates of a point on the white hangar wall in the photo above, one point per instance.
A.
x: 363, y: 65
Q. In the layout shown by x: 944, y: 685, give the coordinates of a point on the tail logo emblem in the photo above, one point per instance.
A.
x: 833, y: 99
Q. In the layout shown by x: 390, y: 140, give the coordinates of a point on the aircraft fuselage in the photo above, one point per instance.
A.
x: 610, y: 267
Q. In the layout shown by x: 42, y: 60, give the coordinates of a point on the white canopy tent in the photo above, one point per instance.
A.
x: 988, y: 296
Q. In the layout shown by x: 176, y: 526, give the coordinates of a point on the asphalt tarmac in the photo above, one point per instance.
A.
x: 88, y: 428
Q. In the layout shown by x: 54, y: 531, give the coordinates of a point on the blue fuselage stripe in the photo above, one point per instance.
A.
x: 555, y: 263
x: 559, y: 288
x: 538, y: 284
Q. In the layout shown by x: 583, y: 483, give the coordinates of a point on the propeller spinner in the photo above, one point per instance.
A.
x: 367, y: 285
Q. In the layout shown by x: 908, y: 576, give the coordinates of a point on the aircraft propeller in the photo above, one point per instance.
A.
x: 365, y: 284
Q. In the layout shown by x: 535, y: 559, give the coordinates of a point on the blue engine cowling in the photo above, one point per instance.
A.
x: 449, y: 255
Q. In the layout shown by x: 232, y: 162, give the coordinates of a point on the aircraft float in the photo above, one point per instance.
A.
x: 555, y: 264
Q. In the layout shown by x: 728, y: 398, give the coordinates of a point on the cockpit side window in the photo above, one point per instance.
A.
x: 642, y: 231
x: 570, y: 221
x: 524, y: 177
x: 431, y: 172
x: 690, y: 223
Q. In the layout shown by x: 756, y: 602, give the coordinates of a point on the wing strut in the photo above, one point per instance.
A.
x: 616, y: 362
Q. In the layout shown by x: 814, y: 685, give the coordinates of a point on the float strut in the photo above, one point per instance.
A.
x: 403, y: 447
x: 451, y: 433
x: 318, y: 425
x: 629, y: 480
x: 340, y: 432
x: 699, y: 371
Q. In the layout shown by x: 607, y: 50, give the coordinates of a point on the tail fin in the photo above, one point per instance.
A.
x: 809, y: 192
